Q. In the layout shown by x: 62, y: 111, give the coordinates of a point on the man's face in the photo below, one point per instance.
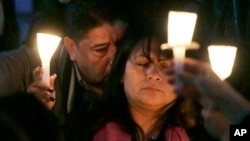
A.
x: 95, y: 52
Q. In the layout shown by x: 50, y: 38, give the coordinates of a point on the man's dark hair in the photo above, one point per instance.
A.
x: 82, y: 16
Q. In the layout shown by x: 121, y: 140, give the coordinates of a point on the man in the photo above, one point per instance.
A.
x: 83, y: 65
x: 85, y: 61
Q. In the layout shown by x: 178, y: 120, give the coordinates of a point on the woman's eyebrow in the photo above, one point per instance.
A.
x: 163, y: 59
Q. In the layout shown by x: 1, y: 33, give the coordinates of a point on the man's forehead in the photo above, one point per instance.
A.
x: 118, y: 30
x: 103, y: 34
x: 103, y: 31
x: 96, y: 36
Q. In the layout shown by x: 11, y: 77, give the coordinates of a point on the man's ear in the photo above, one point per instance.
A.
x: 70, y: 47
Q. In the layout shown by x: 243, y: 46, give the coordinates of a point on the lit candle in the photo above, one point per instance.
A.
x: 180, y: 28
x: 47, y: 45
x: 180, y: 33
x: 222, y: 59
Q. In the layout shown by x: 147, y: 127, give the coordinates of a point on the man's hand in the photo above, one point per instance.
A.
x: 41, y: 90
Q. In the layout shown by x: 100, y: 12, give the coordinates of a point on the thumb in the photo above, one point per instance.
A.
x: 52, y: 84
x: 52, y: 80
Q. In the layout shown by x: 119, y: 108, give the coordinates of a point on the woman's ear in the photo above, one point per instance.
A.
x: 70, y: 47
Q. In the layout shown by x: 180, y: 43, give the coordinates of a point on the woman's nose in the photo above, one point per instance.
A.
x: 153, y: 73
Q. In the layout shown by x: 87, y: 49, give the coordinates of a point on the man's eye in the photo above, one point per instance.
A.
x: 105, y: 49
x: 101, y: 51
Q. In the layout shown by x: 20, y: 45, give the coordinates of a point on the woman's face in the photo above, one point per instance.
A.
x: 146, y: 81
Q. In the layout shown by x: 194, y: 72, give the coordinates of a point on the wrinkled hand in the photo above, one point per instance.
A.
x: 201, y: 76
x: 42, y: 91
x: 216, y: 124
x: 223, y: 97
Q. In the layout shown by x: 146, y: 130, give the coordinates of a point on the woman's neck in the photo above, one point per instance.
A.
x: 149, y: 120
x: 145, y: 119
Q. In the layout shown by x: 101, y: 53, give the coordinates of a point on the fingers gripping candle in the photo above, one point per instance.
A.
x: 47, y: 45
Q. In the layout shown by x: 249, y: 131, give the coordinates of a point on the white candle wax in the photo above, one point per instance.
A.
x: 179, y: 56
x: 47, y: 45
x: 180, y: 33
x: 46, y: 71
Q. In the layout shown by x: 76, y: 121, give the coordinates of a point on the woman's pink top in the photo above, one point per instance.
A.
x: 112, y: 132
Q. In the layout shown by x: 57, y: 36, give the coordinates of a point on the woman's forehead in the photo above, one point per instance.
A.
x: 146, y: 47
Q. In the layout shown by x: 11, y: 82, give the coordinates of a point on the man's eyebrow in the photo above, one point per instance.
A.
x: 100, y: 45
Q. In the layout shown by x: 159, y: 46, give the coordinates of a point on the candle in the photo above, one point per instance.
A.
x: 222, y: 59
x: 179, y: 56
x: 47, y: 45
x: 180, y: 27
x: 180, y: 33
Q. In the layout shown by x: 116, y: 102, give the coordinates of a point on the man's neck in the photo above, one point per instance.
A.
x: 97, y: 89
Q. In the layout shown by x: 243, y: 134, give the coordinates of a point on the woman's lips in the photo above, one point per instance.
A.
x: 152, y: 89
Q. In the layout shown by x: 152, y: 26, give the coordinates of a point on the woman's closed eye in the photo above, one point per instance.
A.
x: 142, y: 61
x: 165, y: 64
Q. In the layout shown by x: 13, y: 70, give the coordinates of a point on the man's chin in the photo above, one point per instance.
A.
x: 100, y: 82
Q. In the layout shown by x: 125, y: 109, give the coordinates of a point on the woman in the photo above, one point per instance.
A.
x: 140, y: 103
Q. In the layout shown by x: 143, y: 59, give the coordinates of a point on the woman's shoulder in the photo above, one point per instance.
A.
x: 111, y: 132
x: 176, y: 133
